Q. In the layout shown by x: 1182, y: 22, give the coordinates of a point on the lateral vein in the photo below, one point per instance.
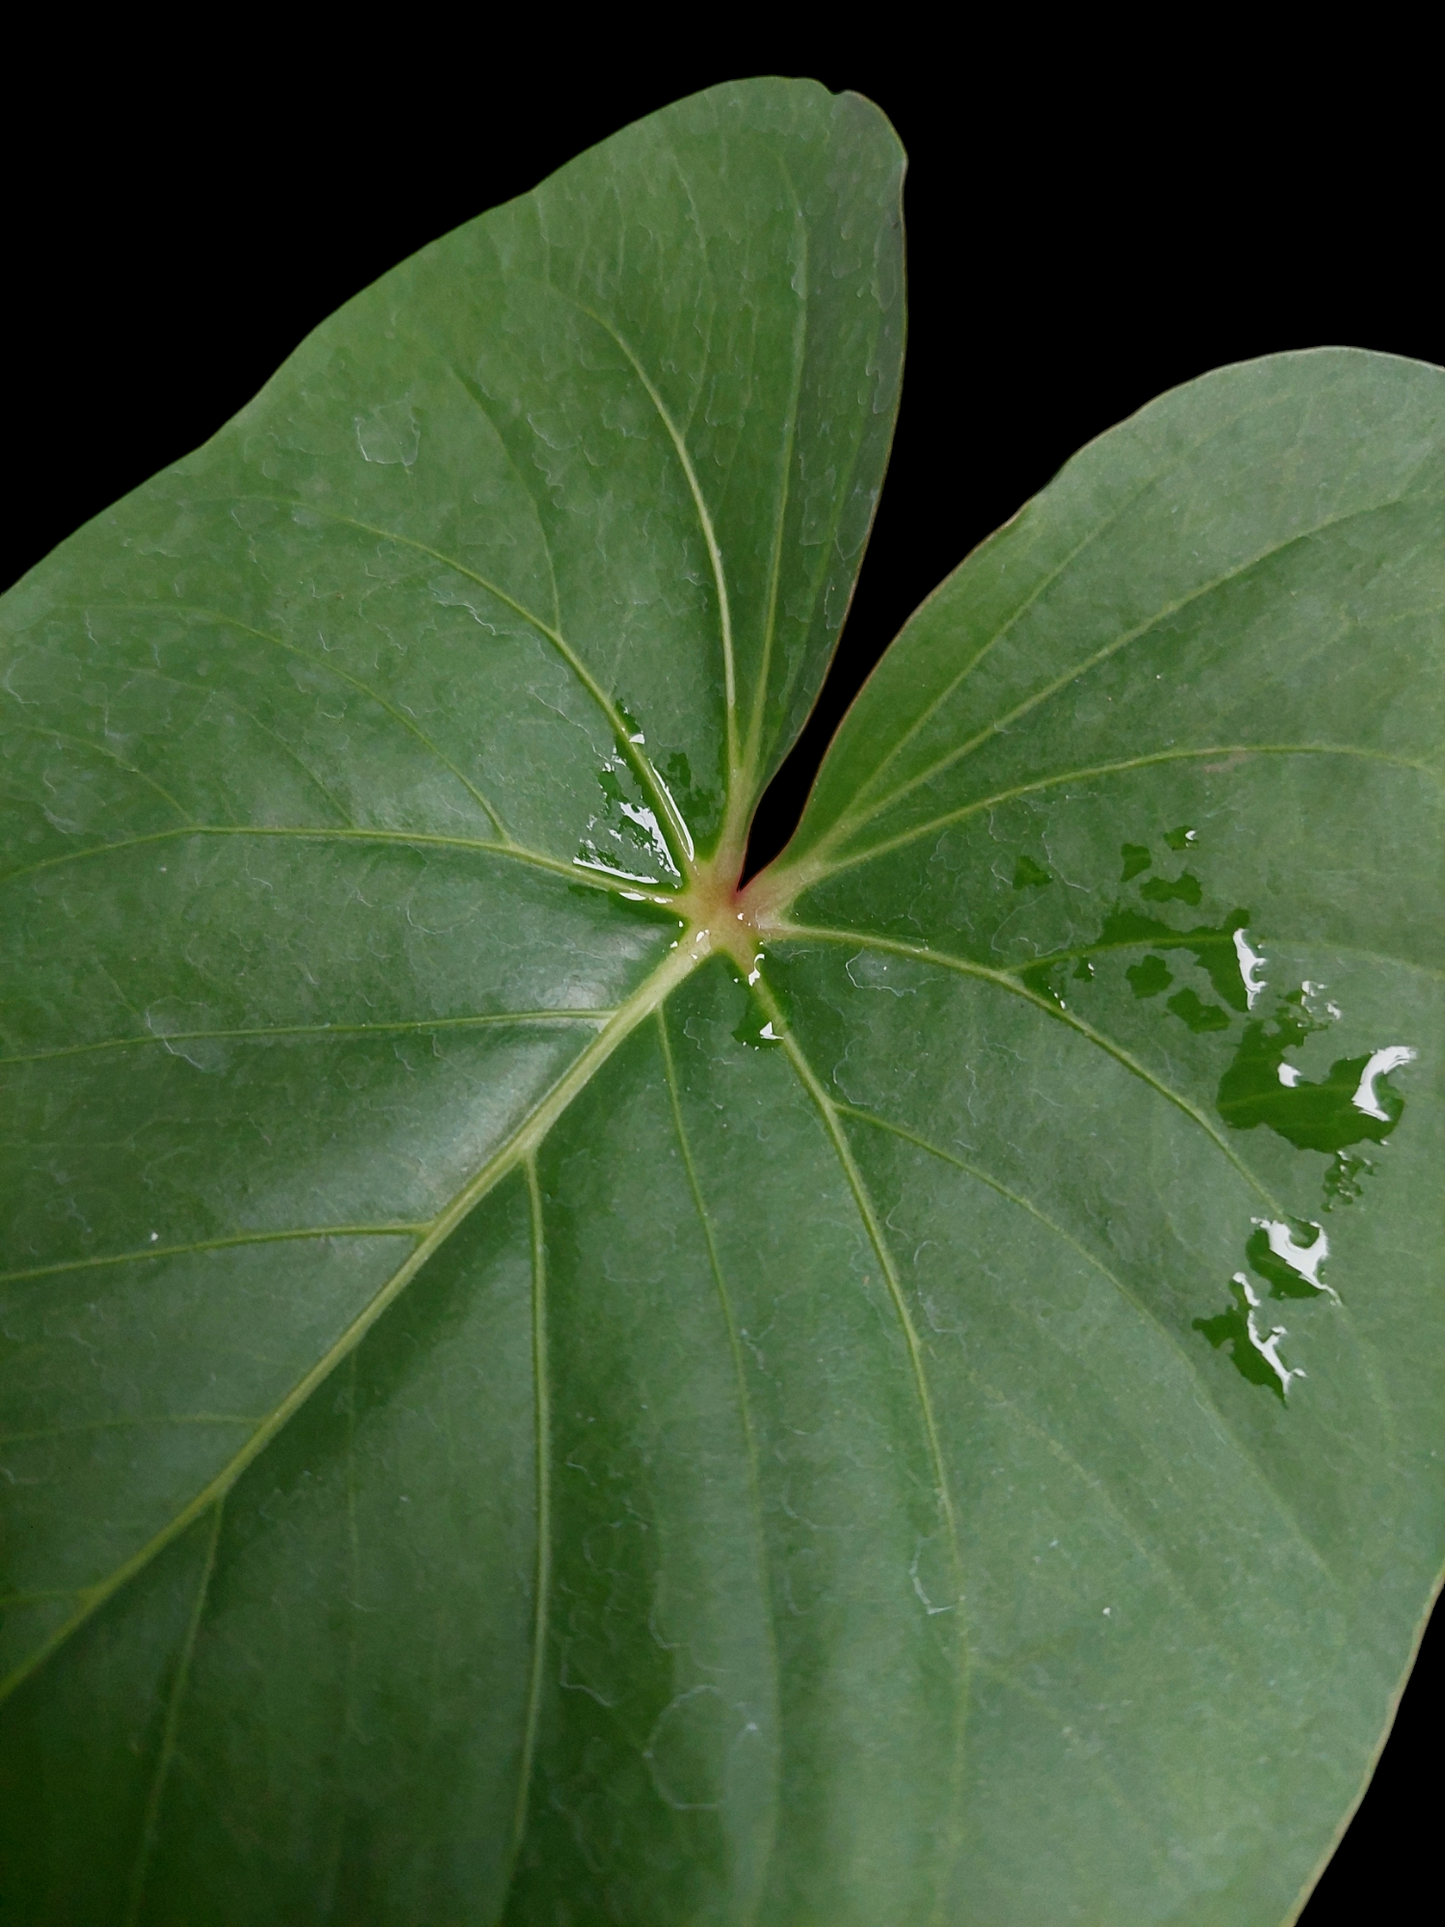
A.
x: 487, y: 1020
x: 755, y: 1484
x: 1001, y: 978
x: 1123, y: 767
x: 328, y: 833
x: 397, y: 714
x: 97, y: 749
x: 1045, y: 583
x: 231, y: 1242
x: 150, y: 1826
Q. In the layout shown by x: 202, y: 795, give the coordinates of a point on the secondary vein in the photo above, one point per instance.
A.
x: 97, y: 749
x: 247, y: 1033
x: 820, y: 872
x: 327, y: 833
x: 398, y: 715
x: 226, y: 1243
x: 1042, y: 586
x: 1003, y: 981
x: 150, y: 1825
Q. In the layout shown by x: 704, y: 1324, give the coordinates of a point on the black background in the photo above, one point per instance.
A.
x: 1078, y: 241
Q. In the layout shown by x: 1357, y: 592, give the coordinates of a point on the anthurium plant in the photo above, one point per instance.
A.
x: 546, y: 1382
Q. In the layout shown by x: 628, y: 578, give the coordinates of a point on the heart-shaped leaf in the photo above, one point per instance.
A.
x: 543, y: 1387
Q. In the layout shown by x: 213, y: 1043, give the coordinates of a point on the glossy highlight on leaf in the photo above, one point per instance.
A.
x: 541, y: 1384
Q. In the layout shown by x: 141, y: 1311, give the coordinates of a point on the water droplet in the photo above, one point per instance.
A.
x: 1351, y: 1104
x: 1250, y: 963
x: 1212, y: 946
x: 758, y: 1030
x: 687, y: 1749
x: 594, y: 862
x: 389, y: 435
x: 1136, y: 860
x: 1185, y: 888
x: 1380, y: 1063
x: 1190, y: 1008
x: 933, y: 1576
x: 871, y: 970
x: 629, y: 842
x: 1290, y: 1263
x: 1253, y: 1349
x: 1148, y: 978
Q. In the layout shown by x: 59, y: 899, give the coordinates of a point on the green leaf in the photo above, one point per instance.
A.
x: 539, y: 1386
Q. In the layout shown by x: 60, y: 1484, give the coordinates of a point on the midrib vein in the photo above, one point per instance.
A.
x: 826, y: 544
x: 755, y: 1484
x: 863, y: 1203
x: 678, y: 964
x: 542, y: 1564
x: 705, y: 524
x: 775, y: 565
